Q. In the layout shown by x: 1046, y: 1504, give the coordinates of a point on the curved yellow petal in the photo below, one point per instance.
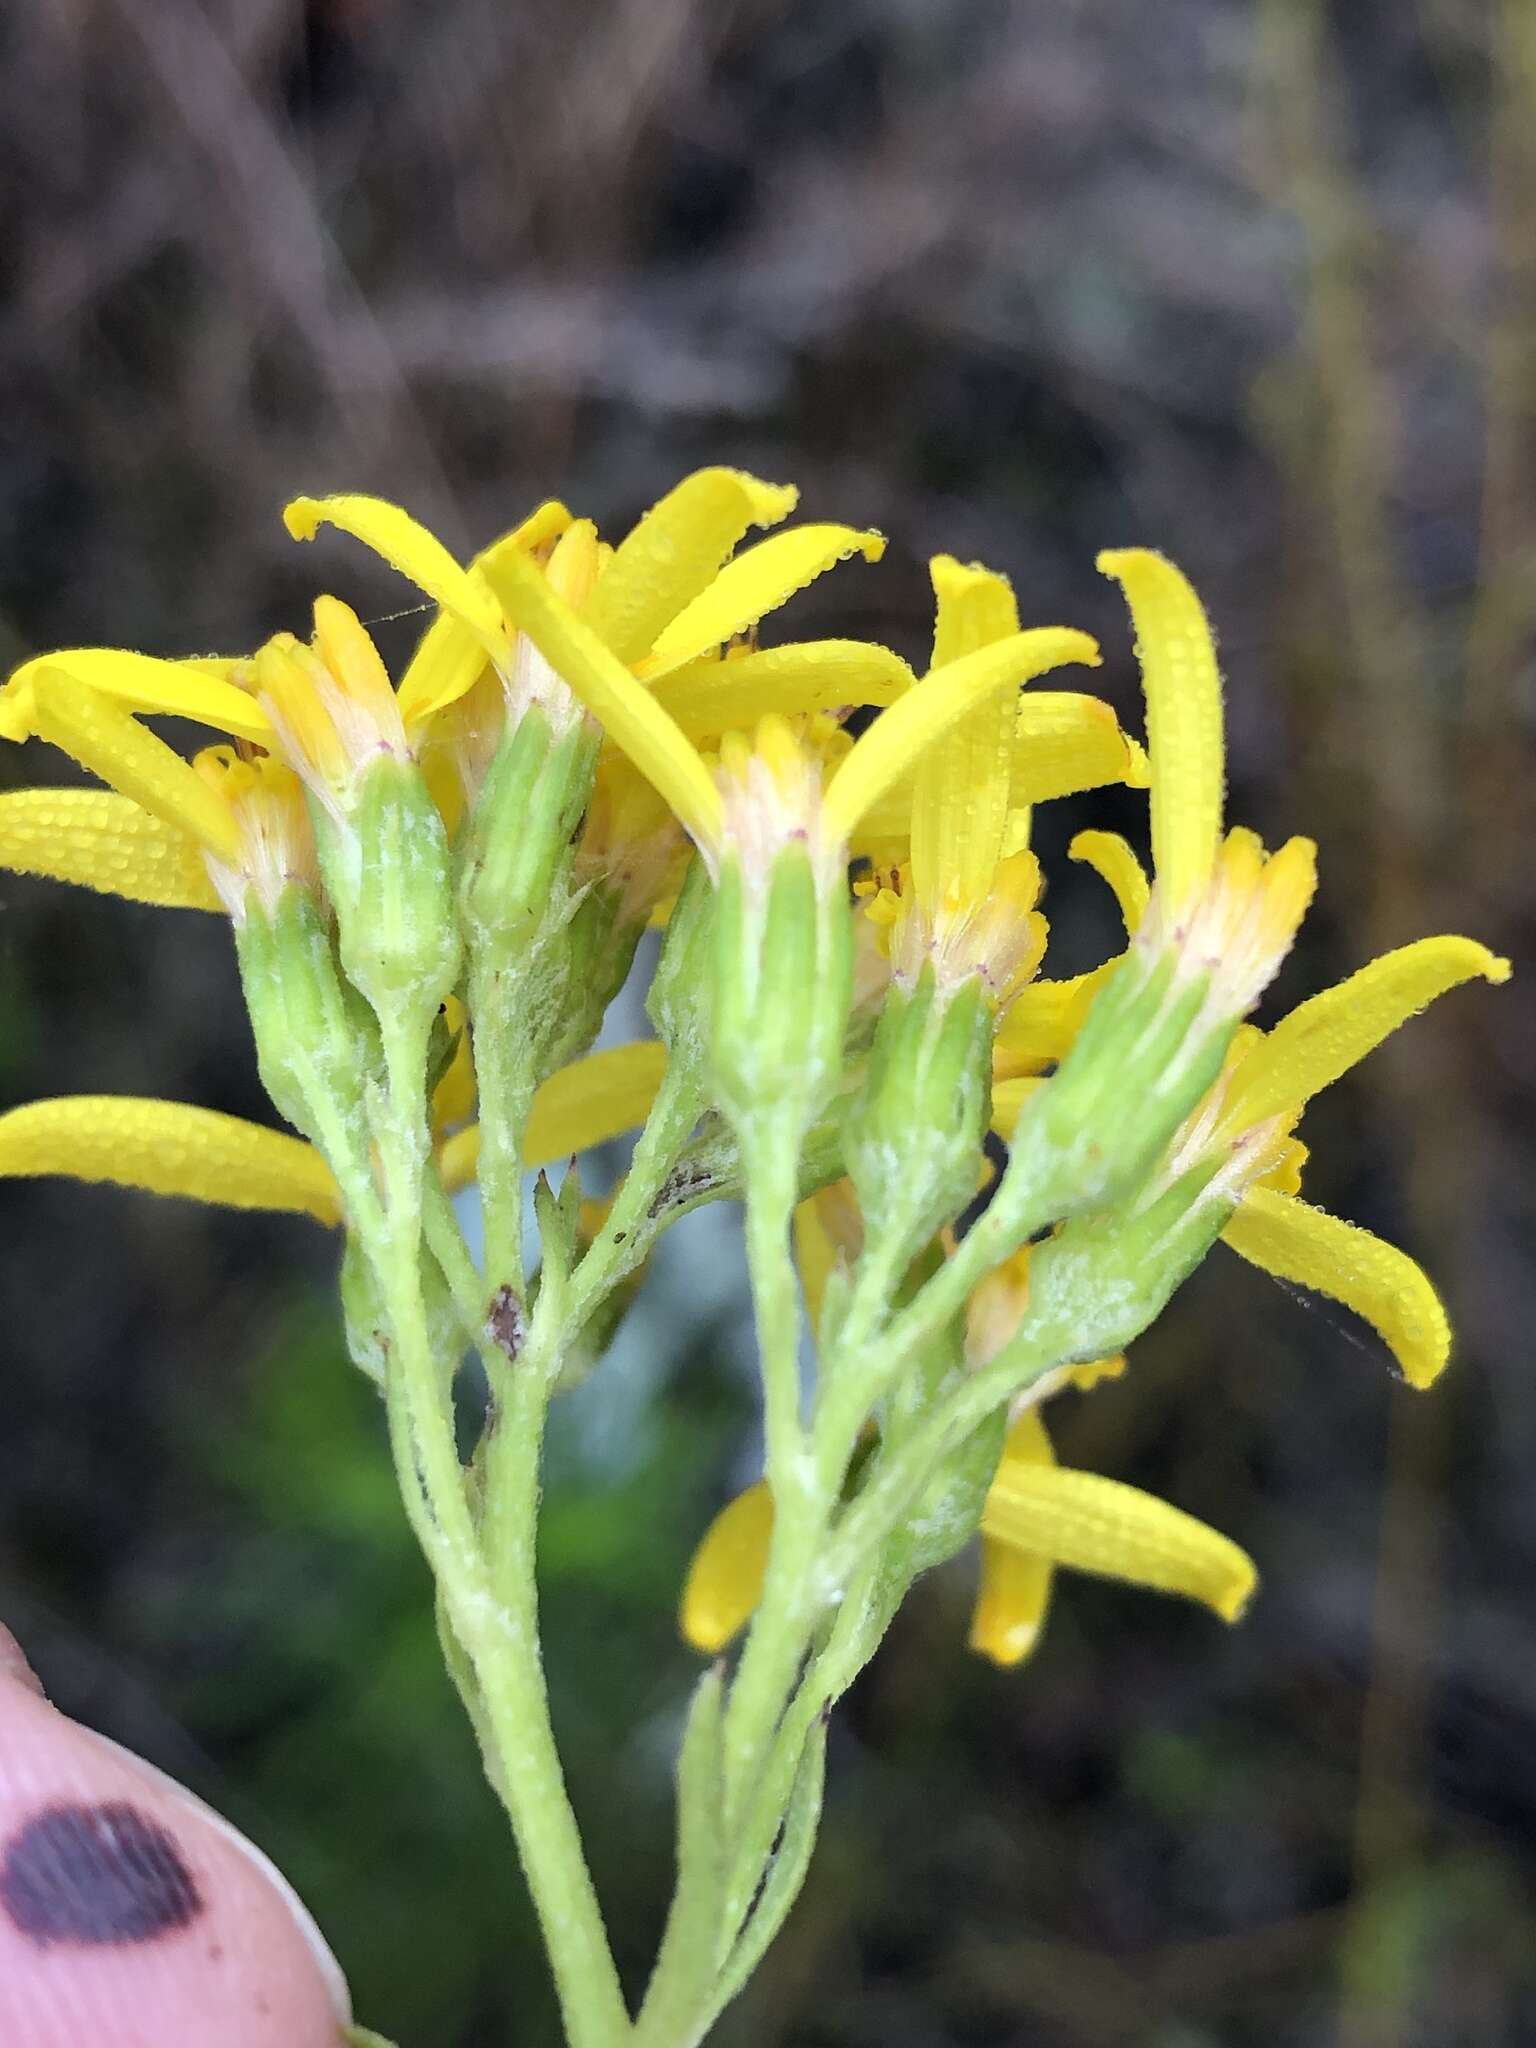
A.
x: 595, y: 1098
x: 901, y: 736
x: 973, y: 606
x: 407, y: 546
x: 961, y: 784
x: 816, y: 1256
x: 1028, y: 1442
x: 1087, y: 1376
x: 725, y: 1580
x: 598, y: 1097
x: 1324, y: 1037
x: 1098, y: 1525
x: 710, y: 697
x: 101, y: 736
x: 673, y: 553
x: 1040, y: 1024
x: 1113, y: 857
x: 450, y: 656
x: 1284, y: 1176
x: 623, y: 707
x: 1011, y: 1603
x: 1066, y: 741
x: 1296, y: 1242
x: 1184, y: 722
x: 145, y: 683
x: 103, y: 841
x: 754, y: 584
x: 170, y: 1148
x: 1008, y: 1099
x: 453, y: 1099
x: 458, y: 1158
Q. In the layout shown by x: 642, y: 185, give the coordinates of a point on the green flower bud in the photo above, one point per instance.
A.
x: 399, y: 938
x: 677, y: 1002
x: 949, y: 1512
x: 914, y: 1134
x: 578, y: 969
x: 518, y: 839
x: 781, y: 990
x: 1147, y: 1052
x: 315, y: 1042
x: 1103, y: 1279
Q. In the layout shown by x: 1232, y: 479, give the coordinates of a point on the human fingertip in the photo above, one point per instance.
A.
x: 130, y: 1912
x: 14, y: 1665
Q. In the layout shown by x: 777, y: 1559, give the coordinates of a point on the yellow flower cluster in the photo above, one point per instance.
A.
x: 651, y: 644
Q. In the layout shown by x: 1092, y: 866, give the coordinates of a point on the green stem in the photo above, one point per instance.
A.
x: 445, y: 1241
x: 769, y: 1161
x: 865, y: 1369
x: 511, y: 1673
x: 751, y: 1845
x: 897, y: 1481
x: 505, y: 1078
x: 787, y: 1611
x: 493, y: 1611
x: 630, y: 1227
x: 846, y: 1394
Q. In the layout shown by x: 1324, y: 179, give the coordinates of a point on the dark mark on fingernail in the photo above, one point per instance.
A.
x: 96, y: 1875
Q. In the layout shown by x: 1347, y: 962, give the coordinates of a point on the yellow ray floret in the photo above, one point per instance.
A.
x: 712, y: 697
x: 451, y: 656
x: 1324, y: 1037
x: 1013, y: 1593
x: 900, y: 737
x: 407, y: 546
x: 181, y: 689
x: 453, y: 1099
x: 751, y: 586
x: 1115, y: 1531
x: 103, y: 841
x: 1009, y: 1097
x: 962, y: 785
x: 169, y: 1148
x: 1035, y: 1511
x: 725, y: 1580
x: 1111, y: 856
x: 1184, y: 721
x: 1040, y: 1025
x: 1296, y: 1242
x: 101, y: 736
x: 638, y: 724
x: 973, y: 606
x: 674, y: 552
x: 1064, y: 741
x: 1013, y: 1596
x: 595, y: 1098
x: 829, y: 1232
x: 816, y: 1257
x: 331, y: 702
x: 624, y: 708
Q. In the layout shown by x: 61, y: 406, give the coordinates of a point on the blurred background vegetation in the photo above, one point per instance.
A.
x: 1255, y: 283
